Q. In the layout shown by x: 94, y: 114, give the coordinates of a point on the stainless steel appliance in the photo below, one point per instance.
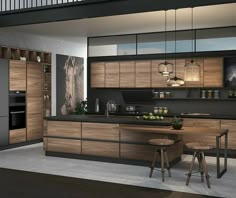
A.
x: 17, y: 116
x: 130, y: 108
x: 97, y: 105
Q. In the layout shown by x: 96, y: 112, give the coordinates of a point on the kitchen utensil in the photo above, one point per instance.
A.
x: 97, y: 105
x: 112, y: 107
x: 130, y: 108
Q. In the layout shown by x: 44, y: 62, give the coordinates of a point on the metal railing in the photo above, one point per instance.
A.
x: 7, y: 6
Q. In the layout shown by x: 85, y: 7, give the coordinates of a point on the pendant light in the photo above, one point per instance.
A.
x: 175, y: 81
x: 165, y: 68
x: 192, y: 68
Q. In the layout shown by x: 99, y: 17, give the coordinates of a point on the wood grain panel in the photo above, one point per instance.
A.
x: 157, y: 79
x: 127, y: 74
x: 105, y: 149
x: 34, y: 126
x: 231, y: 125
x: 17, y: 136
x: 17, y: 75
x: 100, y: 131
x: 98, y: 75
x: 208, y: 123
x: 34, y: 105
x: 34, y: 79
x: 63, y: 145
x: 213, y: 72
x: 143, y: 74
x: 112, y: 74
x: 64, y: 129
x: 200, y: 82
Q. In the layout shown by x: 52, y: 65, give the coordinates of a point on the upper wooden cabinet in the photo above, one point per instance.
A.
x: 17, y: 75
x: 200, y: 82
x: 127, y: 74
x: 157, y: 79
x: 34, y: 79
x: 143, y: 74
x: 98, y: 75
x: 213, y: 72
x: 112, y: 74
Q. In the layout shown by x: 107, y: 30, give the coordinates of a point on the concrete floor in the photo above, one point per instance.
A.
x: 31, y: 158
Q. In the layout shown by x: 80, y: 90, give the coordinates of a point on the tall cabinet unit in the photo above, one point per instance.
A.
x: 4, y: 117
x: 34, y: 115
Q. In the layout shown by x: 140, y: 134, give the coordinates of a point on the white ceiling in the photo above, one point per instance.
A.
x: 207, y: 16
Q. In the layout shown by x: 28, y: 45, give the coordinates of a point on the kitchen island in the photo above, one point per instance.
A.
x: 100, y: 138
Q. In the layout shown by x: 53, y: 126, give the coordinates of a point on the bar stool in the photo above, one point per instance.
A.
x: 199, y: 149
x: 161, y: 145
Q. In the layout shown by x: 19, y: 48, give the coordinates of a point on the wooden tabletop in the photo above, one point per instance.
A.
x: 169, y: 130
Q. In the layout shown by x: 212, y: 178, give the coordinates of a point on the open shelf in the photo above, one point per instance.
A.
x: 194, y: 98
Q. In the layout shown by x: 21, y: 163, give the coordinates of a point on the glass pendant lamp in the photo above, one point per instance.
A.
x: 175, y: 81
x: 192, y: 68
x: 165, y: 68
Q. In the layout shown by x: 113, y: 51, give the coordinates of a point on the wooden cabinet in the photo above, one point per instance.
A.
x: 64, y: 129
x: 105, y: 149
x: 112, y: 74
x: 17, y: 136
x: 98, y: 75
x: 100, y: 131
x: 196, y: 83
x: 62, y: 145
x: 157, y: 79
x: 208, y: 123
x: 17, y: 75
x: 143, y: 74
x: 213, y: 72
x: 231, y: 125
x: 127, y: 74
x: 34, y: 116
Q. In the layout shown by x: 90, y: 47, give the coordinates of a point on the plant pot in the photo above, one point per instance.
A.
x: 177, y: 126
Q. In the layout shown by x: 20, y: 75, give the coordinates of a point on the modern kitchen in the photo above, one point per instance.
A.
x: 134, y: 105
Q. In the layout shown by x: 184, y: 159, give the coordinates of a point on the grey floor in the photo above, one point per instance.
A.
x: 32, y: 158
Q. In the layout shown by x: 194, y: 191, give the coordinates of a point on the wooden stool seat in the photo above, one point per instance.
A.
x: 198, y: 148
x: 161, y: 142
x: 160, y: 147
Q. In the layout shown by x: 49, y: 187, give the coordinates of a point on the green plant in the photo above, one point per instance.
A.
x: 177, y: 123
x: 81, y: 107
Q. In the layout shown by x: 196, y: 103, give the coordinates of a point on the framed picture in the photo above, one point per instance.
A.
x: 230, y: 72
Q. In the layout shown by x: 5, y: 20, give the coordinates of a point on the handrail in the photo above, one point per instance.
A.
x: 14, y: 6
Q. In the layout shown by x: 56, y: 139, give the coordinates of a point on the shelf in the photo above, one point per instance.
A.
x: 194, y: 99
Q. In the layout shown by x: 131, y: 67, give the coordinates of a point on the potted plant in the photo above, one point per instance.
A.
x: 177, y: 123
x: 81, y: 108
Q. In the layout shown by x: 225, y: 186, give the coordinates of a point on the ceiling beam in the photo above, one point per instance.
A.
x: 97, y: 9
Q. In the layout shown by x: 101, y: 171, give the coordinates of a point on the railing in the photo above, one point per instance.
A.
x: 7, y: 6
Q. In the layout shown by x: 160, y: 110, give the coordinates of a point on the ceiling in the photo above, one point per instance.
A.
x: 204, y: 17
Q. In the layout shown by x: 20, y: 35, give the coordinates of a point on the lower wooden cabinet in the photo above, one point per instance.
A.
x: 231, y: 125
x: 34, y: 127
x: 17, y: 136
x: 105, y: 149
x: 62, y: 145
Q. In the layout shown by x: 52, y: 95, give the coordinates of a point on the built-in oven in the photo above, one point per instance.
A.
x: 17, y: 116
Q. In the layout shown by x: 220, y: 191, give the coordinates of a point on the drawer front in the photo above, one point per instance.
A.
x: 34, y: 126
x: 100, y: 131
x: 62, y: 145
x: 17, y: 136
x: 64, y: 129
x: 105, y: 149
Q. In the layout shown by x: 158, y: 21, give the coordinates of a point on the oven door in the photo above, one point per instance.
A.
x: 17, y: 120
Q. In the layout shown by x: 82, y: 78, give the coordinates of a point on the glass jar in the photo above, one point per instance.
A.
x: 162, y: 95
x: 160, y: 110
x: 203, y: 94
x: 216, y: 94
x: 167, y: 94
x: 209, y: 94
x: 155, y: 110
x: 165, y: 110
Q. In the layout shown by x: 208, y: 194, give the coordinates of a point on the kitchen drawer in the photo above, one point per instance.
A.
x: 17, y: 136
x: 100, y: 131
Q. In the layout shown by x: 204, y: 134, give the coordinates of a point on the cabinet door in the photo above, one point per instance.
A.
x: 34, y: 126
x: 208, y: 123
x: 17, y: 75
x: 34, y: 79
x: 127, y: 74
x: 112, y: 74
x: 196, y: 83
x: 17, y: 136
x: 4, y: 88
x: 213, y: 72
x: 157, y: 79
x: 34, y: 105
x: 98, y: 75
x: 143, y: 74
x: 231, y: 125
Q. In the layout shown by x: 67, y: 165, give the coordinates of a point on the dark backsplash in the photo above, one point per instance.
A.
x: 191, y: 104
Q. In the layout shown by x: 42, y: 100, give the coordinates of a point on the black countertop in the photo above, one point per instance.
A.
x: 111, y: 119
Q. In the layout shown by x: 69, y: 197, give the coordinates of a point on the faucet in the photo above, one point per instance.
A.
x: 107, y: 108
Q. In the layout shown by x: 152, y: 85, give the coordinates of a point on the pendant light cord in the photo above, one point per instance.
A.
x: 193, y: 35
x: 175, y: 42
x: 165, y: 33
